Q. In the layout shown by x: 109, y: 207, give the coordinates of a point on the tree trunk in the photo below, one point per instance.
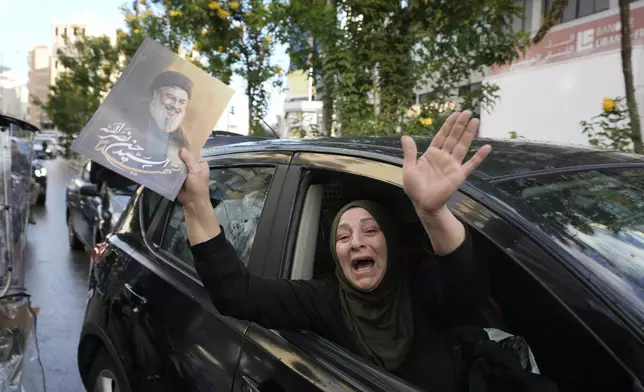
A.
x: 328, y: 85
x: 627, y: 69
x: 550, y: 19
x: 249, y: 91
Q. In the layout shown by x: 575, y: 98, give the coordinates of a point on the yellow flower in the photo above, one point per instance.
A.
x: 223, y: 14
x: 234, y: 5
x: 220, y: 48
x: 175, y: 12
x: 142, y: 2
x: 269, y: 39
x: 240, y: 27
x: 213, y: 5
x: 136, y: 31
x: 609, y: 105
x: 426, y: 121
x: 147, y: 13
x: 278, y: 70
x: 204, y: 32
x: 122, y: 34
x: 130, y: 16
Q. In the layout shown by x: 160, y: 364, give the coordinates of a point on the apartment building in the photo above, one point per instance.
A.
x: 564, y: 79
x: 63, y: 36
x: 12, y: 95
x: 38, y: 84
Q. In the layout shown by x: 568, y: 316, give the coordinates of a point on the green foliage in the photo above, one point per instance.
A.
x: 383, y: 49
x: 92, y: 65
x: 227, y: 38
x: 611, y: 129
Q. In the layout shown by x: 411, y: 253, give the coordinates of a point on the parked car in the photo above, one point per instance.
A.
x: 39, y: 173
x: 560, y: 227
x: 51, y: 151
x: 91, y: 211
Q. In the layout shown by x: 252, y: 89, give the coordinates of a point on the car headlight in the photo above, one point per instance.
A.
x: 40, y: 172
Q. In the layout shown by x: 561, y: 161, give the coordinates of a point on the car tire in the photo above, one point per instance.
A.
x: 103, y: 376
x: 74, y: 242
x: 42, y: 198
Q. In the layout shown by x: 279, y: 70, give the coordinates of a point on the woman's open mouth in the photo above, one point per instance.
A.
x: 362, y: 264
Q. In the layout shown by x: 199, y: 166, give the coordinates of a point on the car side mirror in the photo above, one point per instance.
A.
x: 89, y: 190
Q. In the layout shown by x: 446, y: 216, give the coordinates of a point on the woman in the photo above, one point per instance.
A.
x: 376, y: 306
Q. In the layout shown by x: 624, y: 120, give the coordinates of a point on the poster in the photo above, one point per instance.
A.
x: 160, y: 104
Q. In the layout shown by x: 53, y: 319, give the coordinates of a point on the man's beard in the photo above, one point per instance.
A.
x: 164, y: 120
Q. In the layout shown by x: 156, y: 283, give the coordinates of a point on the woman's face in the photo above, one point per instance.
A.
x: 361, y: 249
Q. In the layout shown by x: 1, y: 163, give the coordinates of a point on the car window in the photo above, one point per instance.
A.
x: 149, y: 207
x: 85, y: 171
x: 238, y: 195
x: 600, y: 213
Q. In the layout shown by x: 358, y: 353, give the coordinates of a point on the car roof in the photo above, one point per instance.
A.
x: 508, y: 157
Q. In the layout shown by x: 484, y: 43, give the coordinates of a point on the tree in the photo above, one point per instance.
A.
x: 627, y: 69
x: 91, y: 66
x: 612, y: 128
x: 224, y: 38
x: 551, y: 18
x: 377, y: 52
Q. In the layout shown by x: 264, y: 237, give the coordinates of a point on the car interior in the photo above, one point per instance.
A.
x: 565, y: 351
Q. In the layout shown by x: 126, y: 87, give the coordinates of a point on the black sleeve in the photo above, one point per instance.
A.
x: 271, y: 302
x: 456, y: 284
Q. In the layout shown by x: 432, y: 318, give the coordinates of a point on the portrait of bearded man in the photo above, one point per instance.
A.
x: 160, y: 123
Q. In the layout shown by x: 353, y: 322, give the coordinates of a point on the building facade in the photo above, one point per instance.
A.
x: 564, y: 79
x: 63, y: 36
x: 12, y: 96
x: 38, y: 84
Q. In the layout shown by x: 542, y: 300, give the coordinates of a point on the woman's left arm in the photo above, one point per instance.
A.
x: 445, y: 232
x: 430, y: 181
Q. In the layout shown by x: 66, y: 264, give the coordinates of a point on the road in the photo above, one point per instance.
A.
x: 56, y: 277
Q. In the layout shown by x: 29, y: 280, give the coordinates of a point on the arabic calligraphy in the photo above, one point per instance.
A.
x: 118, y: 145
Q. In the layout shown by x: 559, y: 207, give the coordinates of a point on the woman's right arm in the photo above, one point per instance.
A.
x: 271, y: 302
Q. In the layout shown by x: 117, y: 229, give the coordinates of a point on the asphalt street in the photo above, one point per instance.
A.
x: 56, y: 277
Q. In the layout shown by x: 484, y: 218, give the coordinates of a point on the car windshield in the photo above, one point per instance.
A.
x: 599, y: 215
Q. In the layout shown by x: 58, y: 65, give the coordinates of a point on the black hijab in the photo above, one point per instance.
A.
x: 381, y: 320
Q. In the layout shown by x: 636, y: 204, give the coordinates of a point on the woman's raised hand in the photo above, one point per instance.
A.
x: 431, y: 180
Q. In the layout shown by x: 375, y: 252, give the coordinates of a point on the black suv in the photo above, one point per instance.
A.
x: 560, y: 227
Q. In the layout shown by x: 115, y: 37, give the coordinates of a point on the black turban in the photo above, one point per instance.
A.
x: 172, y: 78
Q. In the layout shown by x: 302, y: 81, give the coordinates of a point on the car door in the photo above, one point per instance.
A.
x: 82, y: 209
x: 298, y: 360
x: 178, y: 340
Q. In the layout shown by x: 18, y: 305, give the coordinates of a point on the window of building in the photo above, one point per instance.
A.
x: 523, y: 22
x: 579, y: 8
x: 56, y: 32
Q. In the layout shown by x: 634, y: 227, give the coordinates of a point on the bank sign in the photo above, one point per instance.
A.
x: 602, y: 35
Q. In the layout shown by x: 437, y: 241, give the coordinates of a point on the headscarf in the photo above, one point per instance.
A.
x: 381, y: 320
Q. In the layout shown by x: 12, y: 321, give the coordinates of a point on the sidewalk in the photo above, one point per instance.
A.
x: 75, y: 163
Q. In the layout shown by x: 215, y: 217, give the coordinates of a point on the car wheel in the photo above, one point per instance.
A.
x: 42, y: 198
x: 103, y: 375
x: 74, y: 242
